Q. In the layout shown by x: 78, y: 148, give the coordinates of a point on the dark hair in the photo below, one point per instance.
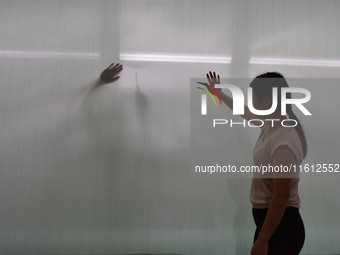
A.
x: 262, y: 86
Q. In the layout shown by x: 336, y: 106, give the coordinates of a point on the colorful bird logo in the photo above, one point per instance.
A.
x: 207, y: 91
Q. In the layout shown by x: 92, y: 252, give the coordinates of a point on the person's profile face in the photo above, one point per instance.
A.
x: 256, y: 102
x: 261, y: 103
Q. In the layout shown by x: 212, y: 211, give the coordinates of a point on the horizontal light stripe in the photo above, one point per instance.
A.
x: 295, y: 62
x: 47, y: 54
x: 175, y: 58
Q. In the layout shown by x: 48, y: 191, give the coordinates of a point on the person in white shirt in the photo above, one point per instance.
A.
x: 275, y: 199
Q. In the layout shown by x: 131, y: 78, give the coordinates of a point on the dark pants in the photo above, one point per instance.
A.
x: 289, y: 236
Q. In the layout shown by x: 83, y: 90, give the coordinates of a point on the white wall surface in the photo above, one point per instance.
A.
x: 98, y: 170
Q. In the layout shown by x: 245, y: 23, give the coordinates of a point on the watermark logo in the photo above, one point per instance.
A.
x: 204, y: 97
x: 238, y: 99
x: 238, y: 104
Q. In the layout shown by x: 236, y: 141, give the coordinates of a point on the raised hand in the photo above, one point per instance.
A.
x: 212, y: 79
x: 110, y: 74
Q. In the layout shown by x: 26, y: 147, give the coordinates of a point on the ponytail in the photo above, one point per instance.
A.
x: 298, y: 129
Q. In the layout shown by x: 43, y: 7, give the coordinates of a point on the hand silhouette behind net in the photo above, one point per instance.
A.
x: 110, y: 74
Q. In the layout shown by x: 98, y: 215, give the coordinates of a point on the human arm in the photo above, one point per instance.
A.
x: 282, y: 156
x: 227, y: 100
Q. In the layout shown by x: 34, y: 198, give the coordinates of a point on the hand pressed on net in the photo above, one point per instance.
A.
x: 110, y: 74
x: 213, y: 80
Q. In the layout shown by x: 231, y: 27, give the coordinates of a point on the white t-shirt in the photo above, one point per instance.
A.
x: 262, y: 188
